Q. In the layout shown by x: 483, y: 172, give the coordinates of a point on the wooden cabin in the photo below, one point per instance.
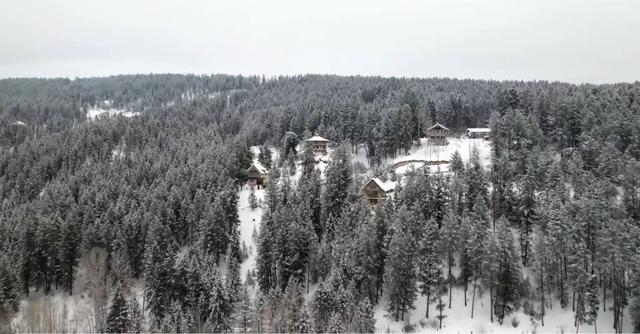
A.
x: 257, y: 175
x: 437, y: 135
x: 375, y: 190
x: 318, y: 144
x: 476, y: 133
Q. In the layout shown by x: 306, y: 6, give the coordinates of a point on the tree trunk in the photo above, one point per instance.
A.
x: 450, y: 275
x: 473, y: 298
x: 542, y: 294
x: 428, y: 300
x: 491, y: 303
x: 604, y: 296
x: 307, y: 278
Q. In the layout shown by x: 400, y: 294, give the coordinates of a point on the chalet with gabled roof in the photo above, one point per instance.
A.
x: 376, y: 190
x: 437, y: 135
x: 257, y: 175
x: 318, y: 144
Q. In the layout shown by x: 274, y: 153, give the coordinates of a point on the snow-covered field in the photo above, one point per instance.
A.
x: 437, y: 157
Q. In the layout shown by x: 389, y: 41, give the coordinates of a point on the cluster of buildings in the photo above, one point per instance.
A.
x: 375, y: 190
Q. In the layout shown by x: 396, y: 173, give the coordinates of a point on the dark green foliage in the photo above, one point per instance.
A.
x: 119, y: 319
x: 265, y: 156
x: 339, y: 177
x: 158, y: 192
x: 9, y: 294
x: 159, y: 270
x: 363, y: 320
x: 507, y: 275
x: 401, y: 274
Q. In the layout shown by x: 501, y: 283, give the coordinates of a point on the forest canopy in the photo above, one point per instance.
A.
x: 155, y: 197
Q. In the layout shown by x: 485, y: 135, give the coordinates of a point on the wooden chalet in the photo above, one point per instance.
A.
x: 437, y: 135
x: 318, y: 144
x: 376, y: 190
x: 257, y: 175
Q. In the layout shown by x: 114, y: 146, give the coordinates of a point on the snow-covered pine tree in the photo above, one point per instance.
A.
x: 336, y: 324
x: 450, y: 234
x: 508, y: 275
x: 401, y: 273
x: 289, y: 143
x: 233, y: 281
x: 213, y: 229
x: 304, y: 323
x: 591, y: 301
x: 292, y: 303
x: 219, y: 308
x: 456, y: 164
x: 159, y: 269
x: 363, y: 320
x: 9, y: 294
x: 477, y: 244
x: 68, y: 251
x: 475, y: 179
x: 464, y: 246
x: 118, y: 319
x: 264, y: 157
x: 253, y: 200
x: 244, y: 310
x: 439, y: 198
x: 430, y: 265
x: 339, y: 179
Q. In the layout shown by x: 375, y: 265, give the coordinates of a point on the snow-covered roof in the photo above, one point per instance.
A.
x: 438, y: 125
x: 386, y: 186
x: 318, y: 138
x: 479, y: 130
x: 259, y: 167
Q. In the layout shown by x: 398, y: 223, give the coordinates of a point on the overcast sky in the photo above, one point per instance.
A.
x: 572, y: 40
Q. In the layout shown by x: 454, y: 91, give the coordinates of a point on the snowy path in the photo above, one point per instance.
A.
x: 249, y: 220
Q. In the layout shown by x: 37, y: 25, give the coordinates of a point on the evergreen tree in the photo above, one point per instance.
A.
x: 253, y: 201
x: 9, y: 294
x: 508, y: 275
x: 264, y: 157
x: 219, y: 308
x: 233, y: 281
x: 363, y: 320
x: 339, y: 179
x: 430, y: 263
x: 68, y: 251
x: 456, y: 164
x: 336, y: 324
x: 401, y: 273
x: 159, y: 270
x: 244, y: 310
x: 119, y: 319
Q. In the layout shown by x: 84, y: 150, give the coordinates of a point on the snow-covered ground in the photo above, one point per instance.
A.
x: 458, y: 318
x: 94, y: 112
x: 249, y: 221
x: 437, y: 157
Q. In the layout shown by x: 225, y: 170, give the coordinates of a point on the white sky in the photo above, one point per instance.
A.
x: 567, y: 40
